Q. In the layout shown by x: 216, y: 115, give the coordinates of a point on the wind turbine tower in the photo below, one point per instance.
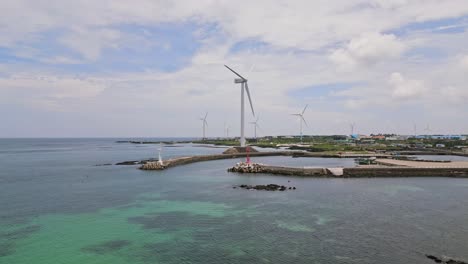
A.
x: 244, y: 86
x: 352, y: 125
x: 255, y: 123
x: 204, y: 125
x: 301, y: 119
x: 427, y: 129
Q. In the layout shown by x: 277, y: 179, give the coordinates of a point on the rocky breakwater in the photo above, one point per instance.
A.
x: 268, y: 187
x: 244, y: 167
x: 153, y: 165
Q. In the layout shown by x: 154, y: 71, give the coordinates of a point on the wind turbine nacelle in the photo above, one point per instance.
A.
x: 239, y: 80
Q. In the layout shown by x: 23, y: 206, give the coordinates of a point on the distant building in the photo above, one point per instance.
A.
x: 367, y: 141
x: 440, y: 145
x: 453, y: 137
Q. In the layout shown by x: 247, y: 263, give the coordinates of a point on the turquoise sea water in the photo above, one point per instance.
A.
x: 56, y: 206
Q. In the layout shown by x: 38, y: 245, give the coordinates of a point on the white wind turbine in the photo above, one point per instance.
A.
x: 255, y: 124
x: 427, y: 129
x: 226, y: 130
x: 352, y: 125
x: 244, y: 86
x: 301, y: 118
x: 204, y: 124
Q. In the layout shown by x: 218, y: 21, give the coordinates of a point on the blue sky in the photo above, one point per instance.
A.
x: 104, y: 69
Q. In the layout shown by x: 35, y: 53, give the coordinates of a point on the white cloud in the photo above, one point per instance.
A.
x: 464, y: 62
x: 454, y: 94
x: 90, y: 42
x: 305, y: 44
x: 48, y: 91
x: 367, y: 50
x: 406, y: 89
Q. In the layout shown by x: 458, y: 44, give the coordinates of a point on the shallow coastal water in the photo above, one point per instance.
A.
x: 56, y: 206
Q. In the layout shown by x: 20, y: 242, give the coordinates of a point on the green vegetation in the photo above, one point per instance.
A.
x: 336, y: 144
x: 331, y: 144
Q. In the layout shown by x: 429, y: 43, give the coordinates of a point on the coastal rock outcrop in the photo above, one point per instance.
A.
x: 132, y: 162
x: 445, y: 260
x: 268, y: 187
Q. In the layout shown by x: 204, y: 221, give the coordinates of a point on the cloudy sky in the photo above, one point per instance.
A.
x: 119, y: 68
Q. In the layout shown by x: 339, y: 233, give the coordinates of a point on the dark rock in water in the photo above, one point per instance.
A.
x: 452, y: 261
x: 105, y: 164
x: 445, y: 260
x: 131, y: 162
x: 434, y: 258
x: 268, y: 187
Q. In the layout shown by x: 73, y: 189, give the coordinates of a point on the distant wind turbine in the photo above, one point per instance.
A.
x: 427, y: 129
x: 255, y: 123
x: 204, y: 125
x: 352, y: 125
x: 415, y: 129
x: 244, y: 86
x: 226, y: 130
x: 301, y: 118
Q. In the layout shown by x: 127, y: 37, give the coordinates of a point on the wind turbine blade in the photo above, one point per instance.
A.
x: 304, y: 121
x: 206, y: 115
x: 251, y: 68
x: 305, y: 108
x: 206, y: 123
x: 250, y: 99
x: 235, y: 72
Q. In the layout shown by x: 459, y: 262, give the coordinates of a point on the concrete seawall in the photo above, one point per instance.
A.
x: 404, y: 172
x: 192, y: 159
x: 290, y: 171
x: 358, y: 172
